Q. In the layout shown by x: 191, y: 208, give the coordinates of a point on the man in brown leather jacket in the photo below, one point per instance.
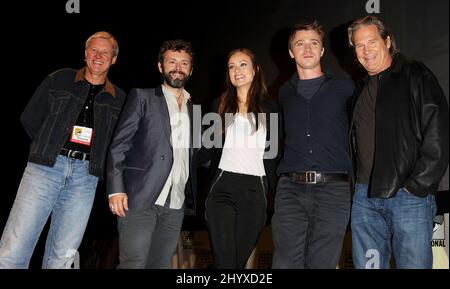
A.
x: 399, y: 138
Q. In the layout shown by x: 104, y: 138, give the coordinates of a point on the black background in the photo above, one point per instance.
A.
x: 39, y: 37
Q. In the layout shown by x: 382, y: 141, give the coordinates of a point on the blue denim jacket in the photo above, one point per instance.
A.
x: 53, y: 109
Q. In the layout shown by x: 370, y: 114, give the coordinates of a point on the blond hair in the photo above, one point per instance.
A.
x: 107, y: 36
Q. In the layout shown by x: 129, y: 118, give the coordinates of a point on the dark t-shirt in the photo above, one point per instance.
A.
x: 308, y: 87
x: 364, y: 121
x: 85, y: 119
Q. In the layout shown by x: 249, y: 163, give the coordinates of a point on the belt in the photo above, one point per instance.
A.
x: 74, y: 154
x: 313, y: 177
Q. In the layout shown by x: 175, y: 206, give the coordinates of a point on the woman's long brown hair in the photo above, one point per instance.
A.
x: 258, y: 91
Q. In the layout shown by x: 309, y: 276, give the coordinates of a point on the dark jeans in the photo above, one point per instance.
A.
x: 235, y: 216
x: 148, y: 239
x: 309, y: 224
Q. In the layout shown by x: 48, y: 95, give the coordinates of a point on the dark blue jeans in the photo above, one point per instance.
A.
x: 309, y: 224
x: 402, y: 226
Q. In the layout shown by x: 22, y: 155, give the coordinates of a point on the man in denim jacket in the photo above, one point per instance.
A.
x: 70, y: 120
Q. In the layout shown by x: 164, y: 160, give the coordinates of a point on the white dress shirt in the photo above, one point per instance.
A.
x: 180, y: 134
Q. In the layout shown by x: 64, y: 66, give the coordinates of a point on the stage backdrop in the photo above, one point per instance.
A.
x: 54, y: 37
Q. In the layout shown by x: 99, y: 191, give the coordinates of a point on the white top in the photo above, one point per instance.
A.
x: 243, y: 151
x: 179, y: 138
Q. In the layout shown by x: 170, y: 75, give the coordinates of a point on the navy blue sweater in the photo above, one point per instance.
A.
x: 316, y: 130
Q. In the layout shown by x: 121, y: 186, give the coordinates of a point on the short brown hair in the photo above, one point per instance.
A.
x: 314, y: 26
x: 382, y: 29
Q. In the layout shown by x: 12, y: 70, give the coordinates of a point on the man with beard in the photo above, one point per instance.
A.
x: 151, y: 176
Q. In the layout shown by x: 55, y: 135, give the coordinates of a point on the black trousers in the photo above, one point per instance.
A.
x: 309, y: 224
x: 235, y: 217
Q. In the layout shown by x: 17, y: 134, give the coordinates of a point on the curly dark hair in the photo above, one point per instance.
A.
x: 176, y: 45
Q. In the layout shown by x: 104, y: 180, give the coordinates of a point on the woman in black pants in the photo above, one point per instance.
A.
x: 244, y: 166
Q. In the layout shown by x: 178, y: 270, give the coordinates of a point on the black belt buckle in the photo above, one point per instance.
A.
x: 311, y: 177
x: 72, y: 154
x: 76, y: 155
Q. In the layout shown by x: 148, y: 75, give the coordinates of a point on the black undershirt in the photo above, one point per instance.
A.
x: 365, y: 129
x: 85, y: 119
